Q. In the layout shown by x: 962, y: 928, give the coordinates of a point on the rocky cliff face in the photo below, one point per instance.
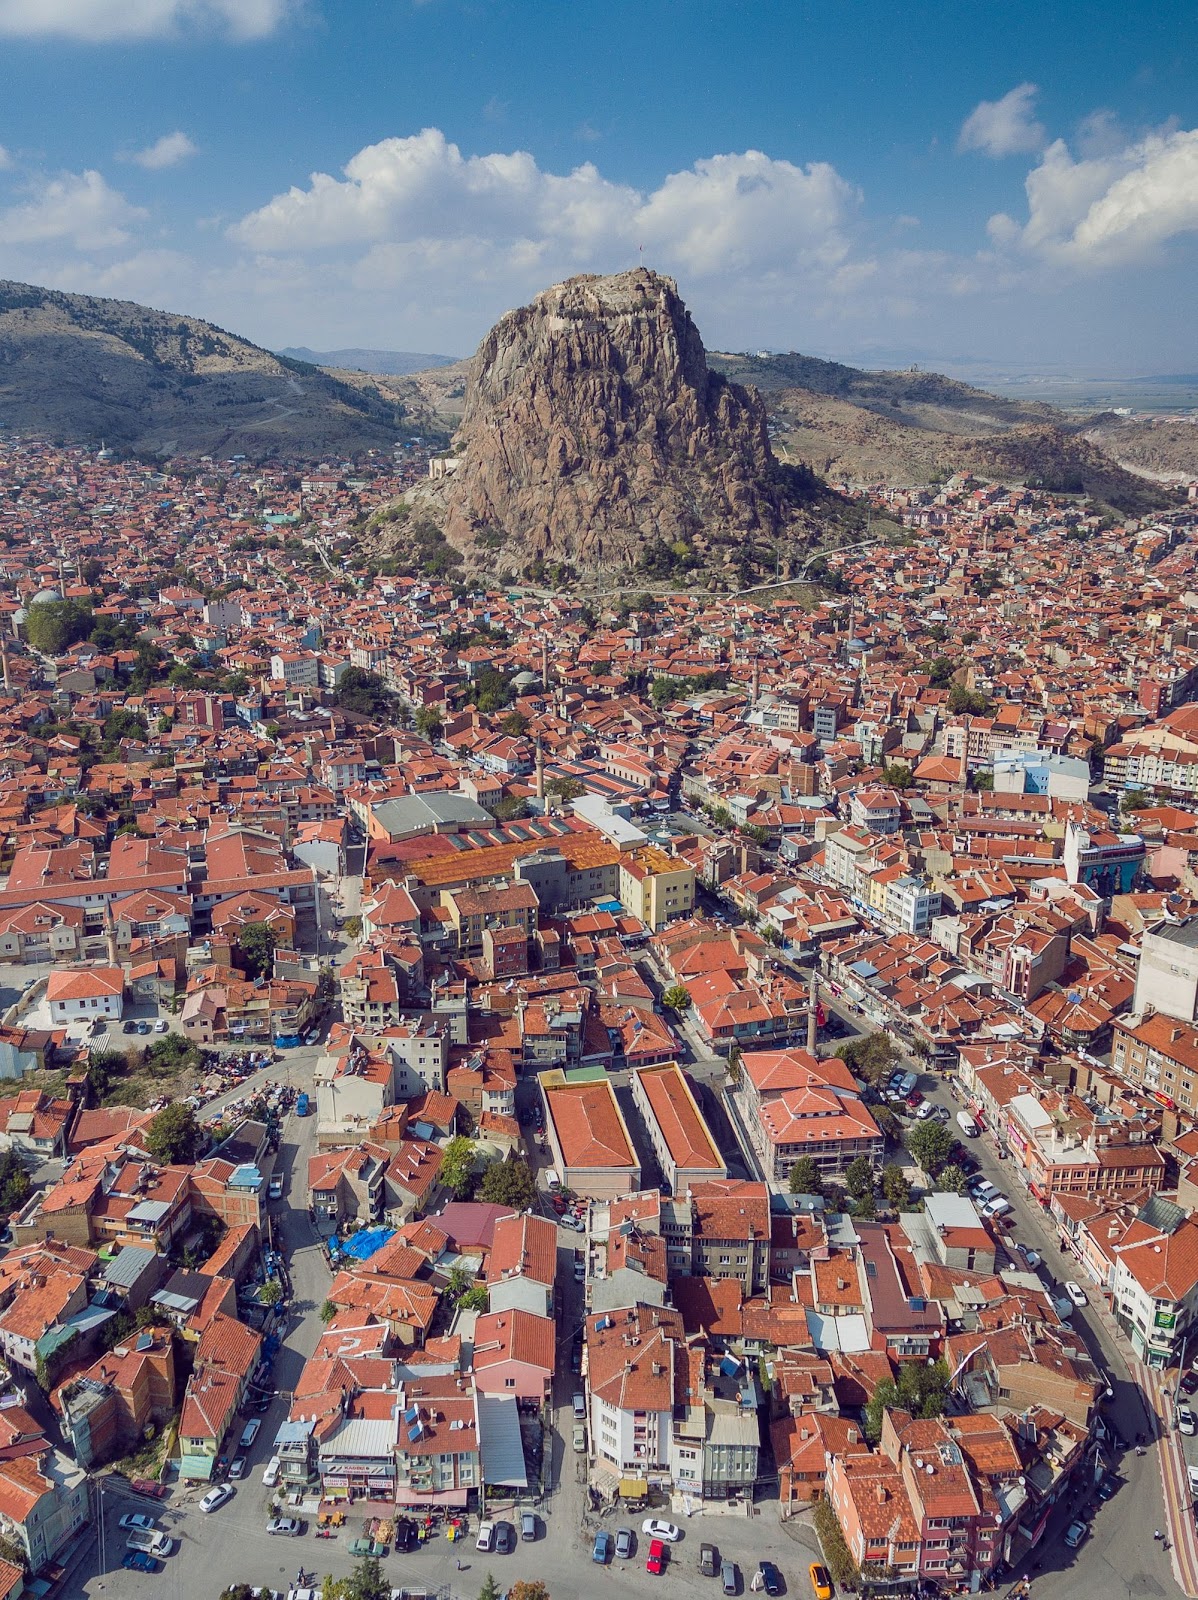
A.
x: 593, y: 427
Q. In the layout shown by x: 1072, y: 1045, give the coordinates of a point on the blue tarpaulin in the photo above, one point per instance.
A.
x: 362, y: 1245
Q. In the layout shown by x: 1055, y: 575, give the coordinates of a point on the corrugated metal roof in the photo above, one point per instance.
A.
x: 363, y: 1437
x: 499, y: 1441
x: 126, y: 1267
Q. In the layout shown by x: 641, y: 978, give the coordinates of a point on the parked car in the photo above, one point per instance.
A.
x: 1108, y: 1486
x: 657, y: 1558
x: 942, y: 1114
x: 1061, y: 1306
x: 601, y: 1550
x: 579, y: 1437
x: 129, y: 1027
x: 997, y: 1207
x: 1186, y: 1421
x: 1077, y: 1294
x: 275, y: 1189
x: 139, y: 1561
x: 926, y: 1111
x: 137, y: 1519
x: 289, y: 1527
x: 771, y: 1578
x: 580, y: 1407
x: 729, y: 1577
x: 624, y: 1545
x: 1033, y: 1258
x: 153, y: 1544
x: 915, y: 1100
x: 1189, y: 1383
x: 270, y: 1473
x: 1075, y: 1533
x: 580, y: 1272
x: 486, y: 1536
x: 249, y: 1433
x: 528, y: 1525
x: 505, y: 1538
x: 215, y: 1498
x: 654, y: 1528
x: 821, y: 1583
x: 162, y: 1025
x: 707, y: 1560
x: 237, y: 1470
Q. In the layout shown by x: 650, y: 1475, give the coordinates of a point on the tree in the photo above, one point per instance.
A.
x: 14, y: 1182
x: 256, y: 942
x: 490, y: 1589
x: 457, y: 1167
x: 508, y: 1183
x: 328, y: 1311
x: 271, y: 1293
x: 1135, y: 800
x: 952, y: 1179
x: 888, y: 1123
x: 940, y: 672
x: 835, y: 1551
x: 173, y: 1054
x: 805, y: 1177
x: 735, y: 1069
x: 428, y: 723
x: 175, y: 1137
x: 676, y: 998
x: 872, y: 1057
x: 475, y: 1298
x: 364, y: 693
x: 52, y: 626
x: 514, y: 724
x: 352, y: 927
x: 895, y: 1187
x: 884, y: 1397
x: 983, y: 782
x: 898, y: 775
x: 963, y: 701
x: 528, y: 1589
x: 859, y: 1178
x: 930, y: 1143
x: 367, y: 1582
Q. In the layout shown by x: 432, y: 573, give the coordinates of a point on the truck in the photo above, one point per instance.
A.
x: 302, y: 1105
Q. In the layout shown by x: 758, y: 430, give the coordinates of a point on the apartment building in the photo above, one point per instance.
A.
x: 656, y: 887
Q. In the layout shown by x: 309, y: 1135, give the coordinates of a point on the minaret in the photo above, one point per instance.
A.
x: 4, y: 663
x: 540, y: 770
x: 756, y: 689
x: 544, y: 664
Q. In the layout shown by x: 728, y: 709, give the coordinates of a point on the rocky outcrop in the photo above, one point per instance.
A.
x: 593, y: 428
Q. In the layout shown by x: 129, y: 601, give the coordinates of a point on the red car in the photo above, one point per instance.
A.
x: 914, y: 1099
x: 658, y: 1556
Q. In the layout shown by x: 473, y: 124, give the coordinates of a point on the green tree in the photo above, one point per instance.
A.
x: 565, y: 788
x: 805, y: 1177
x: 174, y: 1137
x: 271, y: 1293
x: 898, y: 775
x: 328, y: 1311
x: 930, y: 1143
x: 173, y: 1054
x: 872, y: 1057
x: 895, y: 1187
x: 364, y: 693
x: 123, y: 724
x: 940, y: 672
x: 676, y: 998
x: 859, y: 1178
x: 52, y: 626
x: 457, y: 1167
x: 515, y: 724
x: 952, y: 1179
x: 983, y: 782
x: 888, y: 1123
x: 332, y: 1588
x: 367, y: 1581
x: 256, y: 942
x: 475, y: 1298
x: 832, y: 1543
x: 1135, y: 800
x: 14, y: 1182
x: 508, y: 1183
x: 967, y: 702
x: 352, y: 927
x: 428, y: 723
x: 490, y: 1589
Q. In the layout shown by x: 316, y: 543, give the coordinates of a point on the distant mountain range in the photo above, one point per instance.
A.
x: 391, y: 363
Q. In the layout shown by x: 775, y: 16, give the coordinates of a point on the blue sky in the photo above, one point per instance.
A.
x: 994, y: 184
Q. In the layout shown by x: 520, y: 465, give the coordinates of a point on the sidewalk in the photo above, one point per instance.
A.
x: 1175, y: 1483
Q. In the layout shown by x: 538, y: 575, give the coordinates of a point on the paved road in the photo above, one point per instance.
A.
x: 1119, y: 1557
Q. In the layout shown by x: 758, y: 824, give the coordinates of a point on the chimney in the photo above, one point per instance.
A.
x: 881, y: 1494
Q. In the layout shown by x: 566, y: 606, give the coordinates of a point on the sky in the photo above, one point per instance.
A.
x: 996, y: 185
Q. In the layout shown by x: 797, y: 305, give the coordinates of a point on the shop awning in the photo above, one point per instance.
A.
x: 634, y: 1488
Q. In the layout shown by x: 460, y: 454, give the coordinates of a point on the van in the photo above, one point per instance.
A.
x: 249, y: 1433
x: 907, y: 1083
x: 552, y: 1179
x: 151, y: 1543
x: 967, y: 1125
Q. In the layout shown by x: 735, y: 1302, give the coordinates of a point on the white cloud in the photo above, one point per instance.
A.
x: 1004, y: 127
x: 165, y: 152
x: 406, y: 200
x: 1108, y: 210
x: 5, y: 159
x: 100, y: 21
x: 77, y: 209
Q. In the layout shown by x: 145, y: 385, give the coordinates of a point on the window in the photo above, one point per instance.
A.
x: 509, y: 1383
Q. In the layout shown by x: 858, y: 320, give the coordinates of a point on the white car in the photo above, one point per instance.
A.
x: 138, y: 1520
x: 1033, y: 1257
x: 1076, y: 1293
x: 998, y: 1206
x: 486, y: 1536
x: 1186, y: 1421
x: 215, y: 1498
x: 237, y: 1470
x: 270, y: 1475
x: 925, y: 1111
x: 653, y: 1529
x: 1062, y: 1307
x: 1075, y: 1533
